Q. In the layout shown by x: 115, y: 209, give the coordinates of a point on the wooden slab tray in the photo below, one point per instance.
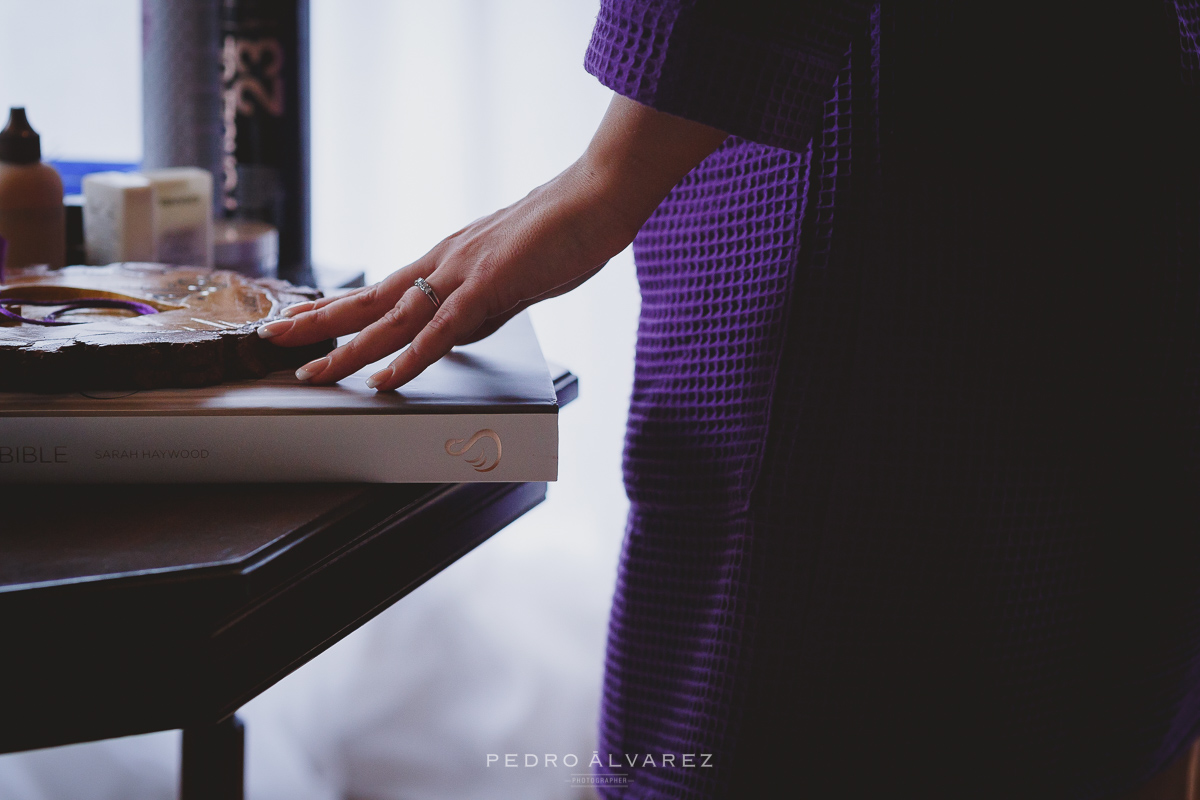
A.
x: 203, y: 334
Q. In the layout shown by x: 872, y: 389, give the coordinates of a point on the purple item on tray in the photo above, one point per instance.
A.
x: 69, y: 305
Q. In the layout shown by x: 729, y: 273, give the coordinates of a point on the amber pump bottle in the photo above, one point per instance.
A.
x: 32, y: 217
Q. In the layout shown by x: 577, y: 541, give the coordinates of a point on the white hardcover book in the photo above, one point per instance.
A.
x: 486, y: 412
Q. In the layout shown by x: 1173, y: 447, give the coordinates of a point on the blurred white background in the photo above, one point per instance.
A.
x: 425, y: 116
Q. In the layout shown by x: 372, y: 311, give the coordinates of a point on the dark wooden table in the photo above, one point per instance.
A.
x: 131, y: 609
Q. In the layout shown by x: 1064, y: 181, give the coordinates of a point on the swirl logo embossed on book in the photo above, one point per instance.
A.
x: 477, y: 457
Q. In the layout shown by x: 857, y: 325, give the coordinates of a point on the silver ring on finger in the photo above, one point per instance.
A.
x: 424, y: 286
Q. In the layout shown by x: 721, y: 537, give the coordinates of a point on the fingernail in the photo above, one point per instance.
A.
x: 379, y: 378
x: 297, y: 308
x: 275, y: 328
x: 312, y: 368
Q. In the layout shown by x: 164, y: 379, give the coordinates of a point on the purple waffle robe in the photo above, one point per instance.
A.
x: 912, y: 445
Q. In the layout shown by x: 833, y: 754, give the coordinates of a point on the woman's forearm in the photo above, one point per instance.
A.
x: 636, y: 157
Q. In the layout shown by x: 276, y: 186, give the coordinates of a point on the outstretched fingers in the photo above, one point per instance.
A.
x: 339, y: 318
x: 311, y: 305
x: 329, y: 318
x: 394, y: 329
x: 459, y: 315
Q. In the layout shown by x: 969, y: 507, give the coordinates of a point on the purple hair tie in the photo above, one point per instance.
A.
x: 51, y: 319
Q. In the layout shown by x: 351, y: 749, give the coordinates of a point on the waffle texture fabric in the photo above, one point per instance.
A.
x: 913, y: 440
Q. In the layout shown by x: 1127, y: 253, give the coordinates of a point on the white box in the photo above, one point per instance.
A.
x: 183, y: 226
x: 118, y: 217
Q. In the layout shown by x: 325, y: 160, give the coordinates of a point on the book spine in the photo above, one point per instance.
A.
x: 415, y: 448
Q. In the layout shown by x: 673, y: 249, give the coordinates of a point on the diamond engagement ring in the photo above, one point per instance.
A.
x: 424, y: 286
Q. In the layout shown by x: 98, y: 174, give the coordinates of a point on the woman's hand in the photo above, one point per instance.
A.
x: 548, y: 243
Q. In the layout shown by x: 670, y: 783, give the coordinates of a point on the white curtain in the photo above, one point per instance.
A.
x: 426, y: 116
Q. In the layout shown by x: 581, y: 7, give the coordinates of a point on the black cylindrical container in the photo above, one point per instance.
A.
x: 264, y: 173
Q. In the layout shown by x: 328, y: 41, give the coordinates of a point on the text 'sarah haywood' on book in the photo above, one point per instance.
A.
x: 486, y: 412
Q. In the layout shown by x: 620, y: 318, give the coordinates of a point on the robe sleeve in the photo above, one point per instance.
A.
x: 759, y: 69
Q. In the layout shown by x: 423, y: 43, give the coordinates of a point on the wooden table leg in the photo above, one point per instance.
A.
x: 214, y: 761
